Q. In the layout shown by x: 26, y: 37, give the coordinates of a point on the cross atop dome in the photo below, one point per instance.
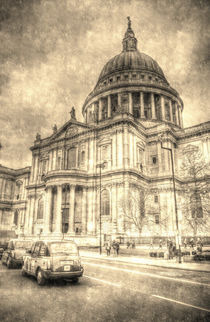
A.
x: 129, y: 40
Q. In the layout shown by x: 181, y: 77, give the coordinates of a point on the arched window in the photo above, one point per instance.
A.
x: 196, y: 205
x: 16, y: 217
x: 65, y: 194
x: 105, y: 203
x: 40, y: 208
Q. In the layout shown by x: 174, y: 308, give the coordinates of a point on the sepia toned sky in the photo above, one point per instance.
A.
x: 52, y: 52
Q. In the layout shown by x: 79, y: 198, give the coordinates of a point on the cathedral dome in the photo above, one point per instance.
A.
x: 131, y: 60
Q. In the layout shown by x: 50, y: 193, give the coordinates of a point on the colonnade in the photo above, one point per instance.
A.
x: 177, y: 118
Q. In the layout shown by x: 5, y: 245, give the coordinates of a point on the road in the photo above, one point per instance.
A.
x: 108, y: 291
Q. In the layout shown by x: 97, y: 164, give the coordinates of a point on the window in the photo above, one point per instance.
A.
x: 142, y: 203
x: 65, y: 220
x: 16, y: 217
x: 105, y: 83
x: 43, y: 250
x: 157, y: 219
x: 105, y: 203
x: 40, y: 208
x: 118, y: 78
x: 196, y: 205
x: 142, y: 76
x: 71, y: 158
x: 111, y: 80
x: 154, y: 160
x: 156, y: 199
x: 126, y: 77
x: 36, y: 249
x: 65, y: 194
x: 134, y: 76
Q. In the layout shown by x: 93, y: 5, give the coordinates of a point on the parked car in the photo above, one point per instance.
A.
x: 49, y: 260
x: 3, y: 247
x: 13, y: 255
x: 202, y: 256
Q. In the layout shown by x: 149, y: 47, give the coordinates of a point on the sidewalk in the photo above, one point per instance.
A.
x: 172, y: 263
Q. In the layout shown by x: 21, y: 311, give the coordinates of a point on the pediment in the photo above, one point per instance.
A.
x: 104, y: 141
x: 69, y: 130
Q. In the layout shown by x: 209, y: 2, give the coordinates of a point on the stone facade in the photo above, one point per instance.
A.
x: 84, y: 172
x: 13, y: 199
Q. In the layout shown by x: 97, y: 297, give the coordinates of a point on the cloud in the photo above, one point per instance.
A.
x: 52, y: 53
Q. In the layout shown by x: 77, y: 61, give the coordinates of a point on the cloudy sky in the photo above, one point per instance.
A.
x: 52, y: 52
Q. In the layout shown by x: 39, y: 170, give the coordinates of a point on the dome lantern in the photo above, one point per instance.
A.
x: 129, y: 40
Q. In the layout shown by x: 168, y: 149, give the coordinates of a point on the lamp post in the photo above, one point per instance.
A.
x: 175, y: 201
x: 100, y: 166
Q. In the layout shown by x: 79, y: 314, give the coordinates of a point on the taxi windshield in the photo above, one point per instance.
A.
x: 23, y: 244
x: 63, y: 249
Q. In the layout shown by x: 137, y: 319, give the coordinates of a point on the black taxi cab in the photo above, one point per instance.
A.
x: 13, y: 254
x: 53, y: 260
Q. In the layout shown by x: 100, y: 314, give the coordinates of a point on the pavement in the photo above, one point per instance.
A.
x: 141, y: 257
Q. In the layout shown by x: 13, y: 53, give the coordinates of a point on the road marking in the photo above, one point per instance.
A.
x: 182, y: 303
x: 102, y: 281
x: 147, y: 274
x: 157, y: 296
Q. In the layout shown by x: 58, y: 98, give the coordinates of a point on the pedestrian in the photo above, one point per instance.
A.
x: 199, y: 245
x: 192, y: 242
x: 185, y: 243
x: 128, y: 244
x: 114, y: 247
x: 151, y: 244
x: 108, y: 248
x: 133, y: 244
x: 160, y: 244
x: 171, y: 250
x: 117, y: 245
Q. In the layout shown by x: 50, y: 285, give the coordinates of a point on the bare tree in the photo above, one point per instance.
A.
x: 195, y: 206
x: 139, y: 210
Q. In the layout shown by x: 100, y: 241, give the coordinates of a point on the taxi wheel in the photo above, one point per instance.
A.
x: 75, y: 280
x: 9, y: 263
x: 40, y: 278
x: 23, y: 272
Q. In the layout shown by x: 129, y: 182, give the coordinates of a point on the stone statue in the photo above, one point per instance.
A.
x: 72, y: 113
x: 38, y: 137
x: 55, y: 128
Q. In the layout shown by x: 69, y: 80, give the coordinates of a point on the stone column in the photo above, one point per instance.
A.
x: 31, y: 218
x: 114, y: 151
x: 84, y: 211
x: 176, y: 110
x: 142, y: 105
x: 109, y: 105
x: 126, y: 147
x: 118, y: 100
x: 159, y: 151
x: 100, y: 110
x: 180, y: 116
x: 171, y: 111
x: 114, y: 209
x: 71, y: 209
x: 162, y: 108
x: 58, y: 219
x: 90, y: 217
x: 153, y: 106
x: 3, y: 188
x: 94, y: 209
x: 36, y: 168
x: 48, y: 209
x: 130, y: 109
x: 26, y: 226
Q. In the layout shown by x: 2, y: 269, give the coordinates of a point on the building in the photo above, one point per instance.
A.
x: 83, y: 176
x: 13, y: 199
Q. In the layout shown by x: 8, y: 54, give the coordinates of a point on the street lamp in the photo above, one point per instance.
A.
x: 100, y: 166
x: 175, y: 201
